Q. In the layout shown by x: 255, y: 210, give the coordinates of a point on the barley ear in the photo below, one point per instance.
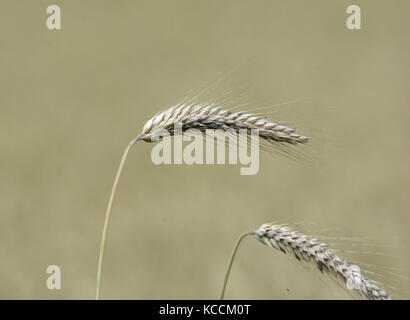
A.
x: 233, y: 254
x: 307, y: 249
x: 108, y: 213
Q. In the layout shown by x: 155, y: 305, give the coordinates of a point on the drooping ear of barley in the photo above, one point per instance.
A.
x: 212, y: 116
x: 201, y: 117
x: 311, y: 250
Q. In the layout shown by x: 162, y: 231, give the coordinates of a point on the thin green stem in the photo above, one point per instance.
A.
x: 231, y: 259
x: 108, y: 213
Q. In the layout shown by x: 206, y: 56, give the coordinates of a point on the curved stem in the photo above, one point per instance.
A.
x: 108, y: 212
x: 233, y: 254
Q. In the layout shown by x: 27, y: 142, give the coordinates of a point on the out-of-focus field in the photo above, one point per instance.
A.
x: 72, y: 99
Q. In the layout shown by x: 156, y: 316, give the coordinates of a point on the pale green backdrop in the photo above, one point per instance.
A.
x: 71, y: 99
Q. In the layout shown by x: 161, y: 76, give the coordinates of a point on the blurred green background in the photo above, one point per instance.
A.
x: 72, y: 99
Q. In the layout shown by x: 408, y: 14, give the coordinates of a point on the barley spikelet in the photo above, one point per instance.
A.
x: 312, y: 250
x: 212, y: 116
